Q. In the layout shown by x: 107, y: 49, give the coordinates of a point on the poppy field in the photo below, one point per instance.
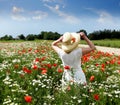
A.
x: 31, y: 72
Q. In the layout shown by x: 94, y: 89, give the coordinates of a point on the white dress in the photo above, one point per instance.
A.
x: 75, y: 74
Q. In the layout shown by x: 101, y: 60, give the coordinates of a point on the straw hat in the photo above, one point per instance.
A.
x: 70, y: 41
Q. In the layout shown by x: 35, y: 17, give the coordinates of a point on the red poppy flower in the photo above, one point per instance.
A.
x: 92, y: 78
x: 35, y: 67
x: 42, y: 68
x: 36, y: 51
x: 60, y: 70
x: 26, y: 70
x: 67, y: 67
x: 30, y: 49
x: 37, y: 60
x: 102, y: 69
x: 96, y: 97
x: 112, y: 61
x: 103, y: 65
x: 96, y: 64
x: 44, y: 71
x: 118, y: 62
x: 28, y: 99
x: 43, y: 51
x: 49, y: 65
x: 54, y: 64
x: 86, y: 58
x: 43, y: 58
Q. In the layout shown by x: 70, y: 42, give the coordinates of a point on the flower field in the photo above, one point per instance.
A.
x: 30, y: 74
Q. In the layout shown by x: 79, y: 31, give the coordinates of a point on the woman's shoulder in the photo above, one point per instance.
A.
x: 78, y: 51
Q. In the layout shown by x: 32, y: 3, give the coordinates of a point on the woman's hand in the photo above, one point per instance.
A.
x: 82, y: 34
x: 60, y: 39
x: 55, y: 45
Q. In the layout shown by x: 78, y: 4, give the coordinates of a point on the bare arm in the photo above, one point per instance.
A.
x: 55, y: 44
x: 90, y: 44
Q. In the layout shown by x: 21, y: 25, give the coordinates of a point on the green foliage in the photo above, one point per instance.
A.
x: 43, y: 35
x: 30, y: 37
x: 22, y: 37
x: 7, y: 37
x: 105, y: 34
x: 48, y: 35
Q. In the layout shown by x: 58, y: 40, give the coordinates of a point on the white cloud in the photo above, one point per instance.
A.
x: 38, y: 15
x: 17, y: 10
x: 105, y: 17
x: 17, y: 14
x: 20, y: 14
x: 52, y: 2
x: 57, y: 7
x: 19, y: 18
x: 66, y: 17
x: 48, y: 0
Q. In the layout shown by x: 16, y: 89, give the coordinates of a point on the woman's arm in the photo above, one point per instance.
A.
x: 91, y: 45
x: 55, y: 44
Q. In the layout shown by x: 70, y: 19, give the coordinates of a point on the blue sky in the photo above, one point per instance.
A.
x: 33, y: 16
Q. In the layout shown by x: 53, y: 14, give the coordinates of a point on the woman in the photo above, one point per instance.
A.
x: 71, y: 54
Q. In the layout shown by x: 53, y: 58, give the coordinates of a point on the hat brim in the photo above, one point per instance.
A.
x: 69, y: 47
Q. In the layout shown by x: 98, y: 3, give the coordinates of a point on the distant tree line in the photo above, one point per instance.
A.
x: 96, y: 35
x: 104, y: 34
x: 43, y: 35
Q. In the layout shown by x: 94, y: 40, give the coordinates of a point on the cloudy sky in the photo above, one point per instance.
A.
x: 33, y: 16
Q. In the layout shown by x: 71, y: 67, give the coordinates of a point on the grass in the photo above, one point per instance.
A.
x: 107, y: 42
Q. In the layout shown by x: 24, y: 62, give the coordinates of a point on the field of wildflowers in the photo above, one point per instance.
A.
x: 30, y: 74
